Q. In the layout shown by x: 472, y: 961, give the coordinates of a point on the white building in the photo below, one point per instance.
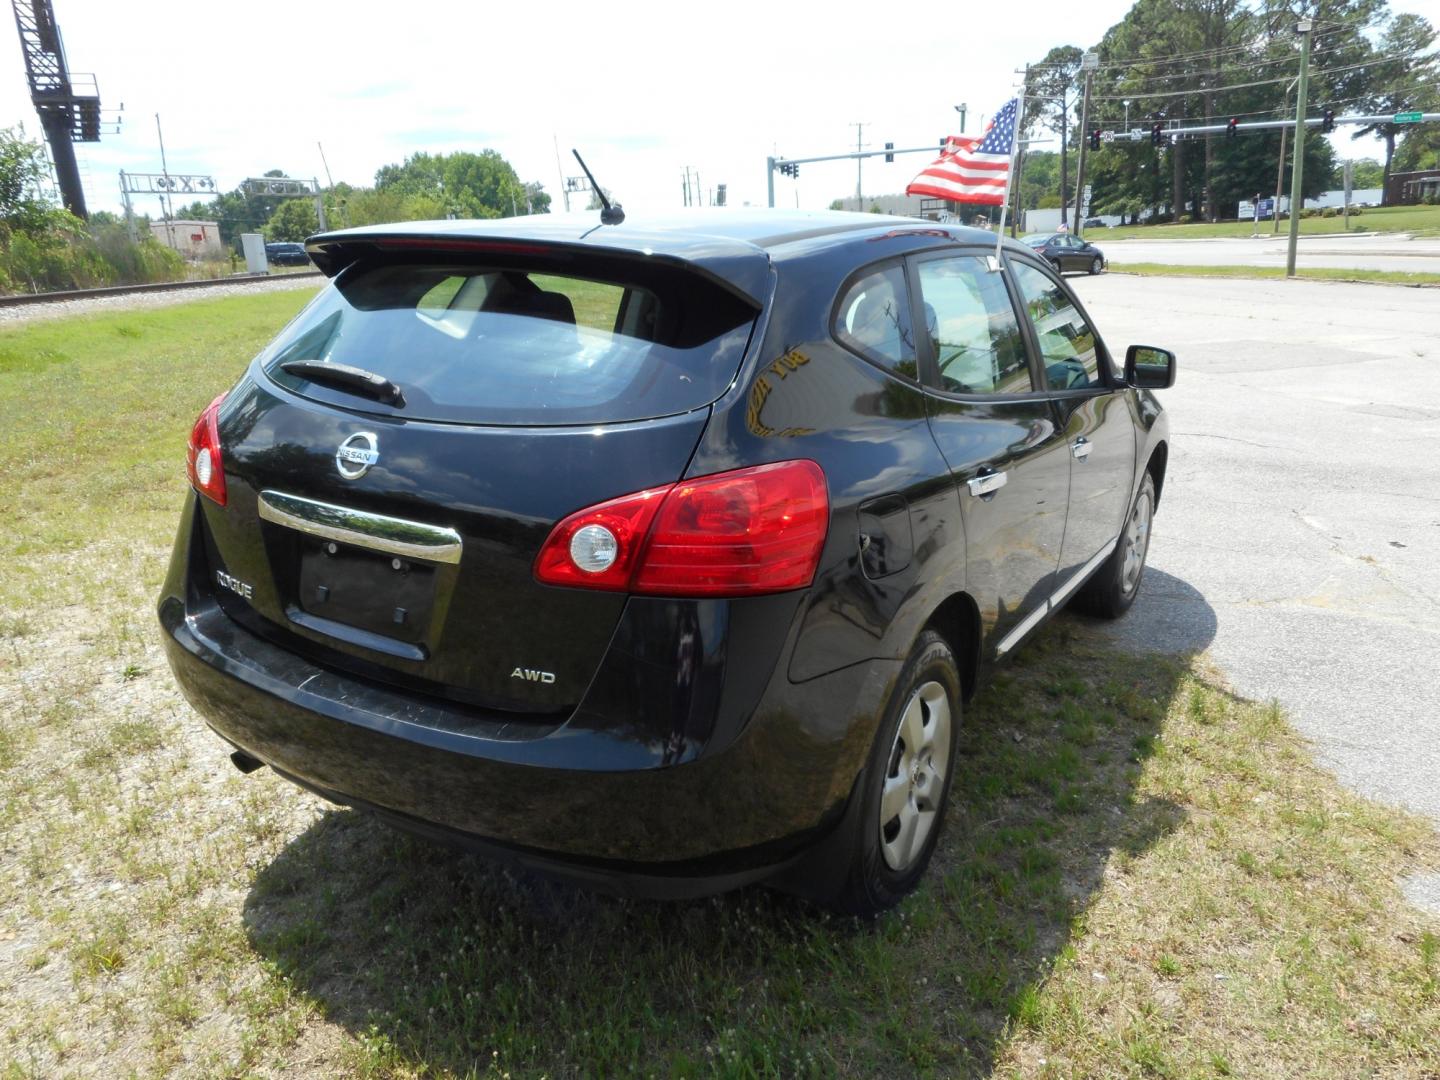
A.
x: 193, y: 239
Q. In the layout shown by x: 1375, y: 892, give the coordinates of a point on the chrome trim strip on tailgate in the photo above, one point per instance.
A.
x: 393, y: 536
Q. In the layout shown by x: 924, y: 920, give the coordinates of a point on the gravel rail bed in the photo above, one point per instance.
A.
x: 61, y: 309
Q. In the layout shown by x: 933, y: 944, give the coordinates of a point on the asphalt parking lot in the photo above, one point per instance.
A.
x: 1298, y: 536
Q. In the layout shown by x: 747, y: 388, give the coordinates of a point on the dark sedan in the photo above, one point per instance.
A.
x: 661, y: 555
x: 286, y: 253
x: 1066, y: 252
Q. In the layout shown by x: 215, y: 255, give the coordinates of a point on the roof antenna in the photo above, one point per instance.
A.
x: 609, y: 215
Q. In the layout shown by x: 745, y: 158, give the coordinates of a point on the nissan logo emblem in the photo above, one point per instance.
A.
x: 357, y: 454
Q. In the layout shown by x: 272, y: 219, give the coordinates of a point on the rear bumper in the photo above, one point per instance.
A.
x: 582, y: 803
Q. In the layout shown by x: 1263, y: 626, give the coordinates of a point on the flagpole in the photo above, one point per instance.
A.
x: 1010, y: 173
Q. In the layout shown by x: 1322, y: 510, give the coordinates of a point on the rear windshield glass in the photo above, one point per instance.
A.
x: 520, y: 345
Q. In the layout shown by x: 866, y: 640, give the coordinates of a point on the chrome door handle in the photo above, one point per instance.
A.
x: 986, y: 483
x: 1081, y: 448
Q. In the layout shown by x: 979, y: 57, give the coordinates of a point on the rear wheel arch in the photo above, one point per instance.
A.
x: 957, y: 620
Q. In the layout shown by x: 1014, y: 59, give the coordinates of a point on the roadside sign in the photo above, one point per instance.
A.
x: 1408, y: 117
x: 1107, y: 136
x: 1136, y: 134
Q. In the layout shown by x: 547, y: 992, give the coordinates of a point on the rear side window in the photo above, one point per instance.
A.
x: 874, y: 319
x: 524, y: 345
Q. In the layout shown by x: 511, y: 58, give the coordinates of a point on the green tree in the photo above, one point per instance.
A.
x: 293, y: 219
x: 1406, y: 79
x: 23, y: 172
x: 1420, y: 150
x: 1053, y: 83
x: 465, y: 184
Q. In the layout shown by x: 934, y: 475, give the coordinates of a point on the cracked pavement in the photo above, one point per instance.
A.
x: 1298, y: 535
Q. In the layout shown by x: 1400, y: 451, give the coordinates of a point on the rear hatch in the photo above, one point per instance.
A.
x: 387, y: 523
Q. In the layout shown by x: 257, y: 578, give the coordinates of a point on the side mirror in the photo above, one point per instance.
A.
x: 1149, y: 368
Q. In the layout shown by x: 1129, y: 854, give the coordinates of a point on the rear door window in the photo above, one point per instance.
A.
x: 524, y: 345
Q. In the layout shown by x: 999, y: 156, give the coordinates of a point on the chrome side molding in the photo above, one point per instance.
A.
x: 1058, y: 597
x: 392, y: 536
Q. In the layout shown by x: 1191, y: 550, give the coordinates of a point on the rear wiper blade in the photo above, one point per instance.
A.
x: 346, y: 377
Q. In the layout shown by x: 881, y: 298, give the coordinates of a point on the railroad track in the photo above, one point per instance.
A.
x: 26, y: 299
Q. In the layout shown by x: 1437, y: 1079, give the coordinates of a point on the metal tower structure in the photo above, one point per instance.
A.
x: 69, y: 114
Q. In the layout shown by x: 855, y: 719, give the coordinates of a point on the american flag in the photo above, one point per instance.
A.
x: 973, y: 170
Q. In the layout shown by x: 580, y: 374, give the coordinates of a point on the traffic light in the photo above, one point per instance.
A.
x: 1095, y: 139
x: 888, y: 147
x: 1157, y: 135
x: 1327, y: 121
x: 1231, y: 128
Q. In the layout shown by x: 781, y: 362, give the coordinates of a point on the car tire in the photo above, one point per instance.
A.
x: 910, y: 768
x: 1096, y: 265
x: 1114, y: 587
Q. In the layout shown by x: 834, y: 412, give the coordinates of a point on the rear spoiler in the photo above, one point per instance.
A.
x: 740, y: 268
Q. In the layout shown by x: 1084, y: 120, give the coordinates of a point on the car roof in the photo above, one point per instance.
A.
x: 735, y: 245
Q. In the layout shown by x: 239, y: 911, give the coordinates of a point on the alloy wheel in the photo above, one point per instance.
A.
x: 915, y: 778
x: 1137, y: 540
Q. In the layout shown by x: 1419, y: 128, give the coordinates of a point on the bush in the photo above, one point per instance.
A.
x: 1354, y: 211
x: 1329, y: 211
x: 62, y: 253
x: 1184, y: 219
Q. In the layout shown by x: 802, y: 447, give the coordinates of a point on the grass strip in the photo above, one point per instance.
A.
x: 1380, y: 277
x: 1418, y: 220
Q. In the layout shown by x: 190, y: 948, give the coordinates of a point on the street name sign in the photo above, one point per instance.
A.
x: 1408, y: 117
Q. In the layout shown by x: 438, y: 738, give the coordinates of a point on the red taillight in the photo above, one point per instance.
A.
x: 740, y: 533
x: 202, y: 456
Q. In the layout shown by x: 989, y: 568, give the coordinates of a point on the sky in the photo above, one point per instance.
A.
x: 642, y: 90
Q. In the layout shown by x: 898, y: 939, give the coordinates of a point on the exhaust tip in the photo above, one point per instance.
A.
x: 245, y: 763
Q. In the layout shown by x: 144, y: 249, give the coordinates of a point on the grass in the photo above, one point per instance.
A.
x: 1141, y: 875
x: 1385, y: 277
x: 1420, y: 220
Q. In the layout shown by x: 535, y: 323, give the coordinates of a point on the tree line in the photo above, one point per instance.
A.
x: 1188, y: 63
x: 44, y: 247
x: 423, y: 187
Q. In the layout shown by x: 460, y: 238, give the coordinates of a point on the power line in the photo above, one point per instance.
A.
x: 1257, y: 62
x: 1194, y: 91
x: 1178, y: 58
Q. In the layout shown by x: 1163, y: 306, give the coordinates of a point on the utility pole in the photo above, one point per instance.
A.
x: 560, y: 171
x: 1088, y: 63
x: 1280, y: 169
x: 1297, y: 170
x: 859, y: 166
x: 165, y: 202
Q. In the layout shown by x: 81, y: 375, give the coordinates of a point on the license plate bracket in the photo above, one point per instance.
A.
x: 387, y: 595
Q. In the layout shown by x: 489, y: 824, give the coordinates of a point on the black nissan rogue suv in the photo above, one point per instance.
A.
x: 661, y: 555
